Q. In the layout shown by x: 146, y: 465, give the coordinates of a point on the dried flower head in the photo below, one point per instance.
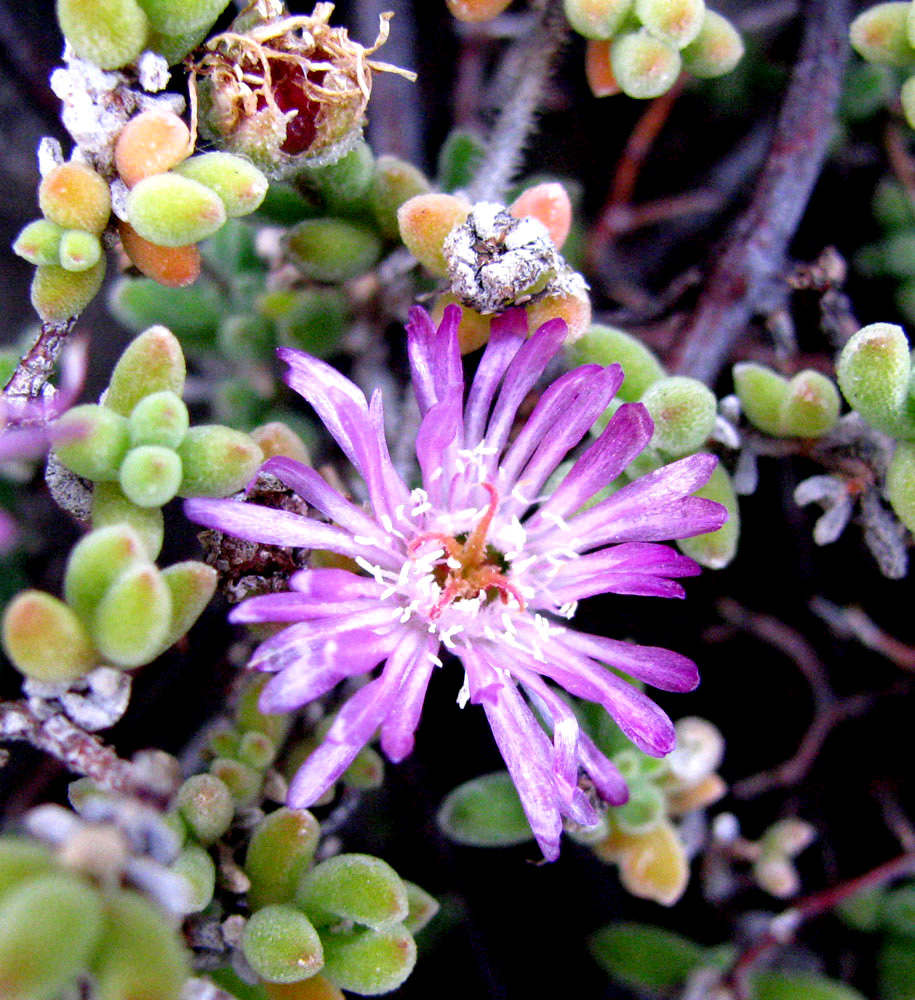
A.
x: 287, y: 91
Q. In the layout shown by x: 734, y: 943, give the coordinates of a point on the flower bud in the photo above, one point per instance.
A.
x: 549, y: 204
x: 341, y: 186
x: 395, y: 181
x: 217, y: 461
x: 239, y: 184
x: 643, y: 811
x: 174, y: 267
x: 160, y: 418
x: 424, y: 221
x: 279, y: 439
x: 96, y: 561
x: 676, y: 22
x: 280, y: 852
x: 58, y: 294
x: 49, y: 928
x: 150, y: 475
x: 152, y: 362
x: 643, y: 65
x: 75, y: 197
x: 109, y: 33
x: 715, y: 549
x: 880, y: 35
x: 176, y: 17
x: 174, y: 211
x: 354, y: 887
x: 21, y: 859
x: 243, y: 782
x: 599, y: 69
x: 332, y: 250
x: 475, y: 11
x: 716, y: 50
x: 133, y: 617
x: 39, y: 242
x: 44, y: 638
x: 280, y: 944
x: 900, y: 483
x: 423, y: 907
x: 606, y: 345
x: 485, y: 812
x: 140, y: 956
x: 151, y: 143
x: 79, y: 250
x: 683, y: 410
x: 369, y: 962
x: 196, y: 867
x: 191, y: 585
x: 110, y: 507
x: 600, y: 19
x: 207, y: 806
x: 873, y: 372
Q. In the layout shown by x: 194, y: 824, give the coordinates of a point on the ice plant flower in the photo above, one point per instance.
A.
x: 477, y: 563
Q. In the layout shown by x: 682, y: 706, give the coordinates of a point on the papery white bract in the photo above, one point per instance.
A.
x: 477, y: 563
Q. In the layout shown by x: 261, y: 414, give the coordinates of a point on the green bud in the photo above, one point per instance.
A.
x: 314, y: 321
x: 110, y: 33
x: 395, y: 181
x: 245, y: 783
x: 49, y: 928
x: 192, y: 313
x: 39, y: 242
x: 173, y: 211
x: 280, y: 852
x: 873, y: 372
x: 160, y: 418
x: 676, y: 22
x: 354, y: 887
x: 196, y: 867
x: 110, y: 506
x: 598, y: 19
x: 44, y: 638
x: 366, y: 770
x: 173, y: 48
x: 369, y: 962
x: 683, y: 411
x: 761, y: 392
x: 716, y: 50
x: 192, y: 585
x: 132, y: 619
x: 239, y: 184
x: 281, y: 945
x: 248, y: 715
x: 343, y: 184
x: 58, y: 294
x: 900, y: 483
x: 907, y: 98
x: 207, y: 806
x: 79, y: 250
x: 150, y: 475
x: 643, y: 811
x: 485, y: 812
x: 643, y: 65
x: 153, y: 362
x: 140, y: 956
x: 811, y: 406
x: 423, y: 907
x: 256, y: 750
x: 245, y: 337
x: 606, y: 345
x: 880, y: 35
x: 332, y: 250
x: 96, y: 561
x: 217, y: 461
x: 99, y: 443
x: 175, y: 17
x: 459, y: 159
x: 21, y: 860
x: 715, y: 549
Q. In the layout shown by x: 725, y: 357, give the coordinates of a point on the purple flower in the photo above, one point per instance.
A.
x: 477, y: 561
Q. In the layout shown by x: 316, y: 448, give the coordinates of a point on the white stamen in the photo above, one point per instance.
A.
x: 568, y: 610
x: 363, y: 540
x: 376, y: 571
x: 386, y: 523
x: 508, y: 624
x: 421, y: 508
x: 453, y: 563
x: 434, y: 660
x: 557, y: 519
x: 464, y: 694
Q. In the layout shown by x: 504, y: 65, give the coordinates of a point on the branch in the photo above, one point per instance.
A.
x: 754, y: 255
x: 36, y: 366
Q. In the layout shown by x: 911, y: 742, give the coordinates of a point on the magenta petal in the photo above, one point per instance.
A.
x: 294, y: 607
x: 610, y: 784
x: 400, y: 725
x: 638, y: 584
x: 507, y: 332
x: 659, y: 667
x: 333, y: 584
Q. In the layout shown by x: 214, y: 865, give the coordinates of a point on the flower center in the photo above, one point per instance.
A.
x: 470, y: 566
